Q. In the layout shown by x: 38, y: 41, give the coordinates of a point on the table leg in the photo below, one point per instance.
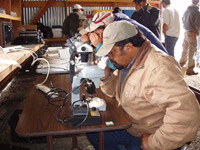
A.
x: 101, y: 140
x: 49, y: 142
x: 75, y: 143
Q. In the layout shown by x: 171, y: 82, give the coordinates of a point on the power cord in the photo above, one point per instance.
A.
x: 43, y: 59
x: 66, y: 120
x: 60, y: 96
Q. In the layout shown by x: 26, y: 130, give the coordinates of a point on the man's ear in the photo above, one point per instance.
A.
x: 101, y: 34
x: 128, y: 46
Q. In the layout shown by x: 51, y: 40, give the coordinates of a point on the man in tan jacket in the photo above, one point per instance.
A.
x: 149, y: 86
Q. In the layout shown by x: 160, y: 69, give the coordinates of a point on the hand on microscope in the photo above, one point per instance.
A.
x: 85, y: 38
x: 107, y: 70
x: 90, y: 37
x: 95, y: 38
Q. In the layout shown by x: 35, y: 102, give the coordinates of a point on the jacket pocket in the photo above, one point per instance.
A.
x: 130, y: 92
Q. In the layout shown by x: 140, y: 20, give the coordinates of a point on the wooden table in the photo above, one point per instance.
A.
x: 39, y: 117
x: 7, y: 71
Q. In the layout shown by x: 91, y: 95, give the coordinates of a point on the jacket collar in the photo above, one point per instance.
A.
x: 144, y: 51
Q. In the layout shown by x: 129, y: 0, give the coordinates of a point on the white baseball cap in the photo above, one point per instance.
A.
x: 115, y: 32
x: 100, y: 19
x: 77, y: 6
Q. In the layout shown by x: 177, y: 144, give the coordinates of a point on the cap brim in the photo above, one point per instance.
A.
x: 105, y: 49
x: 82, y: 31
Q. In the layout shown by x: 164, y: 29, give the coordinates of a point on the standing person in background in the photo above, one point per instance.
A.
x: 171, y: 26
x: 147, y: 15
x: 191, y: 24
x: 73, y: 21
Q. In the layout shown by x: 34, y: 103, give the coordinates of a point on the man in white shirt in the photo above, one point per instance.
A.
x: 171, y: 26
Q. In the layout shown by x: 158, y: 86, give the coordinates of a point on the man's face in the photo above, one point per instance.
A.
x: 81, y: 11
x: 164, y: 4
x: 142, y: 3
x: 119, y: 58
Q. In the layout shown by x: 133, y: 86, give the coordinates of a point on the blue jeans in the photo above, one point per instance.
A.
x: 115, y: 140
x: 198, y: 49
x: 170, y: 44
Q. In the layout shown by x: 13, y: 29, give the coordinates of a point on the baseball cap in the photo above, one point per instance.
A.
x: 100, y: 19
x: 115, y: 32
x: 77, y: 6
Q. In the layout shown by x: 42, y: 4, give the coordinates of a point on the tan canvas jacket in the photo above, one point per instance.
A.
x: 157, y: 98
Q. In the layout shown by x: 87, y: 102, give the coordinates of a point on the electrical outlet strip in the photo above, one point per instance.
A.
x: 45, y: 90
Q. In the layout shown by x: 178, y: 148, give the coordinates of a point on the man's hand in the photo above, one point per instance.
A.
x: 106, y: 70
x: 85, y: 38
x: 194, y: 34
x: 95, y: 39
x: 144, y: 141
x: 107, y: 74
x: 165, y: 26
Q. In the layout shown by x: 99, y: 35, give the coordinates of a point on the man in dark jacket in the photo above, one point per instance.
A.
x: 147, y: 15
x: 73, y: 21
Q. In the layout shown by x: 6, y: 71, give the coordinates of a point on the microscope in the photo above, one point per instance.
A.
x: 90, y: 75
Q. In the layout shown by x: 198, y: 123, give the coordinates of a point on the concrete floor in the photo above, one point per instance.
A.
x: 12, y: 98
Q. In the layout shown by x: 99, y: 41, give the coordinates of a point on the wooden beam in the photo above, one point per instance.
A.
x: 62, y: 4
x: 42, y: 3
x: 88, y: 3
x: 42, y: 11
x: 91, y: 4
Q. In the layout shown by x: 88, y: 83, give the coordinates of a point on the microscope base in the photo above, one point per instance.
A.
x: 94, y: 118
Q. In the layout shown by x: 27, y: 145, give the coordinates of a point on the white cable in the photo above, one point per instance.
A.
x: 27, y: 50
x: 48, y: 68
x: 19, y: 48
x: 10, y: 62
x: 13, y: 62
x: 29, y: 53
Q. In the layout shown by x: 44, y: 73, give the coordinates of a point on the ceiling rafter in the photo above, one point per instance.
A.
x: 43, y: 9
